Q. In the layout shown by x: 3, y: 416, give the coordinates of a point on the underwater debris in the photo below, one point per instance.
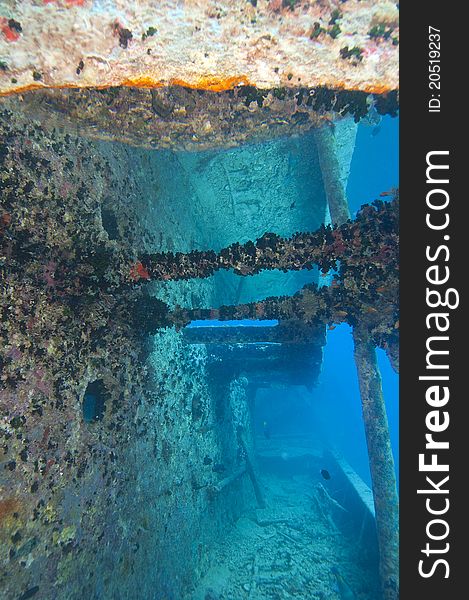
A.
x: 344, y: 589
x: 250, y: 467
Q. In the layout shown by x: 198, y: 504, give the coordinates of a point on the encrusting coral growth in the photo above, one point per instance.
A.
x: 83, y: 420
x: 185, y: 119
x: 362, y: 254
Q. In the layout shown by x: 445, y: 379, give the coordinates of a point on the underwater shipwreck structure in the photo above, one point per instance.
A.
x: 163, y: 163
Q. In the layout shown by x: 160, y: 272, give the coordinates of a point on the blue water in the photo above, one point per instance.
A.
x: 375, y: 163
x: 374, y: 169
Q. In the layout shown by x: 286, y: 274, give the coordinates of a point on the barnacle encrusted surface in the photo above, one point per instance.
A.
x: 103, y: 497
x: 184, y: 119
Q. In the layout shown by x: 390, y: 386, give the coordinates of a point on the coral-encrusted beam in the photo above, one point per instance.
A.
x: 370, y: 239
x: 330, y: 306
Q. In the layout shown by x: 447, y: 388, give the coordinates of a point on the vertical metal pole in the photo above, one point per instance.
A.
x: 332, y: 175
x: 381, y: 463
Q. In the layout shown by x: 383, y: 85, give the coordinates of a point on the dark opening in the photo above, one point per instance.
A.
x: 94, y: 401
x: 109, y: 221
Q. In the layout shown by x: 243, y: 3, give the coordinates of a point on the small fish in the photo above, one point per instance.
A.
x: 331, y: 328
x: 266, y: 428
x: 325, y: 473
x: 375, y: 131
x: 345, y: 592
x: 391, y: 192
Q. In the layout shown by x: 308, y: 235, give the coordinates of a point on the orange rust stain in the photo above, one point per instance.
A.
x: 23, y: 88
x: 67, y: 2
x: 140, y: 82
x: 212, y: 83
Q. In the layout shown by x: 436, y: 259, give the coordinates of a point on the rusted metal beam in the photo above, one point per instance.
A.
x: 227, y: 480
x: 286, y: 332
